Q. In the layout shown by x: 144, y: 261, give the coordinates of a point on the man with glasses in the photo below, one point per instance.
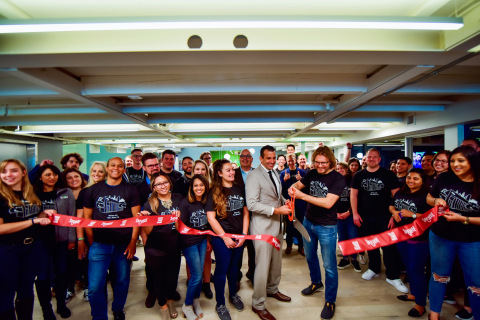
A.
x: 324, y: 187
x: 372, y: 191
x: 135, y: 174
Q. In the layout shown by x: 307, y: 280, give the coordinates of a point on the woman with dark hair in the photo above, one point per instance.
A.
x: 72, y: 178
x: 346, y: 229
x: 162, y: 248
x: 227, y: 213
x: 440, y: 162
x: 194, y: 247
x: 56, y: 240
x: 353, y: 165
x: 20, y: 210
x: 457, y: 232
x: 408, y: 204
x: 392, y: 166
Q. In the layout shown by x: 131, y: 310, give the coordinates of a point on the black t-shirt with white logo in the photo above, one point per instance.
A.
x: 48, y: 203
x: 233, y: 222
x: 415, y: 202
x: 18, y: 213
x: 164, y: 240
x: 134, y: 176
x: 194, y: 216
x: 459, y: 197
x: 319, y: 185
x: 374, y: 192
x: 111, y: 203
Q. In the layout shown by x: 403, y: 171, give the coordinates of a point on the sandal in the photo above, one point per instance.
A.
x: 404, y: 297
x: 188, y: 313
x: 172, y: 310
x: 197, y: 308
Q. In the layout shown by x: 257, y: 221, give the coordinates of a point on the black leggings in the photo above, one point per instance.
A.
x: 165, y: 275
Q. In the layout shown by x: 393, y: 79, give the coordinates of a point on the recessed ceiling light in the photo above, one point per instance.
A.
x: 133, y: 97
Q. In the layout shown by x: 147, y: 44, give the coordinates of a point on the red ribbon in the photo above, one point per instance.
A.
x: 69, y: 221
x: 399, y: 234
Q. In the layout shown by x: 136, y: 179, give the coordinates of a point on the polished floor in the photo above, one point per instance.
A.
x: 357, y: 298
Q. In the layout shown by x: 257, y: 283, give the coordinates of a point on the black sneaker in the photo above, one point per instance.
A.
x: 328, y: 311
x: 463, y: 314
x: 64, y: 312
x: 119, y: 315
x: 222, y: 312
x: 450, y: 300
x: 312, y: 288
x: 237, y: 303
x: 356, y: 266
x: 343, y: 264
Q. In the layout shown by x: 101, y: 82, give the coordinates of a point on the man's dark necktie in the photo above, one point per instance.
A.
x: 273, y: 181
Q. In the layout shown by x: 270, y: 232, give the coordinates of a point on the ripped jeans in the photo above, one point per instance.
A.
x: 443, y: 254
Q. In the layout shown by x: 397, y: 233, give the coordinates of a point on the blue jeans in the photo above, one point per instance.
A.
x: 226, y: 267
x: 347, y: 230
x: 18, y: 271
x: 327, y: 236
x: 443, y: 254
x: 195, y: 257
x: 100, y: 257
x: 415, y: 257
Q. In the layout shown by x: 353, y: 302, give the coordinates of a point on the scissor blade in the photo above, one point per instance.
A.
x: 301, y: 229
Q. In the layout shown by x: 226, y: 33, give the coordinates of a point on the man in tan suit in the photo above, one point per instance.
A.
x: 264, y: 199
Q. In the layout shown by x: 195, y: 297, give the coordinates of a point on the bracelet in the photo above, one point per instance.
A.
x: 33, y: 222
x: 80, y: 239
x: 467, y: 220
x: 400, y: 214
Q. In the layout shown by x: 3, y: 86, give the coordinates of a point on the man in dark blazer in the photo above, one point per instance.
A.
x: 265, y: 201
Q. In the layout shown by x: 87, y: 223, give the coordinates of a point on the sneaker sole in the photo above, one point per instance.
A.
x: 357, y: 270
x: 345, y: 267
x: 311, y: 294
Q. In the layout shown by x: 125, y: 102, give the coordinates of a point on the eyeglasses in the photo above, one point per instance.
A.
x: 442, y: 161
x: 321, y: 163
x: 207, y: 158
x: 161, y: 184
x: 245, y: 156
x: 152, y: 166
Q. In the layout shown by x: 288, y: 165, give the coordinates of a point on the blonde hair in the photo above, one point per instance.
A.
x: 208, y: 177
x: 96, y: 163
x: 27, y: 190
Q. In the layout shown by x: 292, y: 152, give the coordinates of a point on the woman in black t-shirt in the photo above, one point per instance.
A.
x: 56, y: 241
x: 162, y: 249
x: 19, y: 210
x: 194, y: 247
x: 227, y: 213
x: 456, y: 233
x: 408, y: 204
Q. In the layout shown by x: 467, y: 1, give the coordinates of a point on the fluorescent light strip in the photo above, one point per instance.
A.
x: 347, y: 128
x: 409, y: 23
x: 231, y: 130
x: 79, y: 131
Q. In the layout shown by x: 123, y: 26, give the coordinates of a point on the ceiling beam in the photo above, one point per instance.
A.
x: 226, y: 108
x: 54, y: 79
x: 384, y: 80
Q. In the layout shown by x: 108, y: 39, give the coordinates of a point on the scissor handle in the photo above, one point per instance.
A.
x: 291, y: 204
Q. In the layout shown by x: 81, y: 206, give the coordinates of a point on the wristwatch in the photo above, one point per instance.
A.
x: 414, y: 216
x: 467, y: 220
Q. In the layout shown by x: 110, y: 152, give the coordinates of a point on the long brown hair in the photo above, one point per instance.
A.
x: 27, y: 189
x: 191, y: 194
x: 218, y: 191
x: 153, y: 199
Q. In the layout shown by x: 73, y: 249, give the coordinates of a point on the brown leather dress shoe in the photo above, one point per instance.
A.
x: 288, y: 250
x: 279, y: 296
x: 263, y: 314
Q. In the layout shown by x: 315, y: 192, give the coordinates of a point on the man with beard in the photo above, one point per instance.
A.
x: 168, y: 161
x: 181, y: 185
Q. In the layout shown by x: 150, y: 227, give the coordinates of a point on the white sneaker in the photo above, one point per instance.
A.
x: 362, y: 259
x: 369, y: 275
x: 398, y: 284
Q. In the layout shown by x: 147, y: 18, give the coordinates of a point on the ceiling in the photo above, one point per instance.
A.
x: 306, y: 84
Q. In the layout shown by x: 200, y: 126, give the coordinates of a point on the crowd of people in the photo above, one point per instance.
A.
x: 333, y: 200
